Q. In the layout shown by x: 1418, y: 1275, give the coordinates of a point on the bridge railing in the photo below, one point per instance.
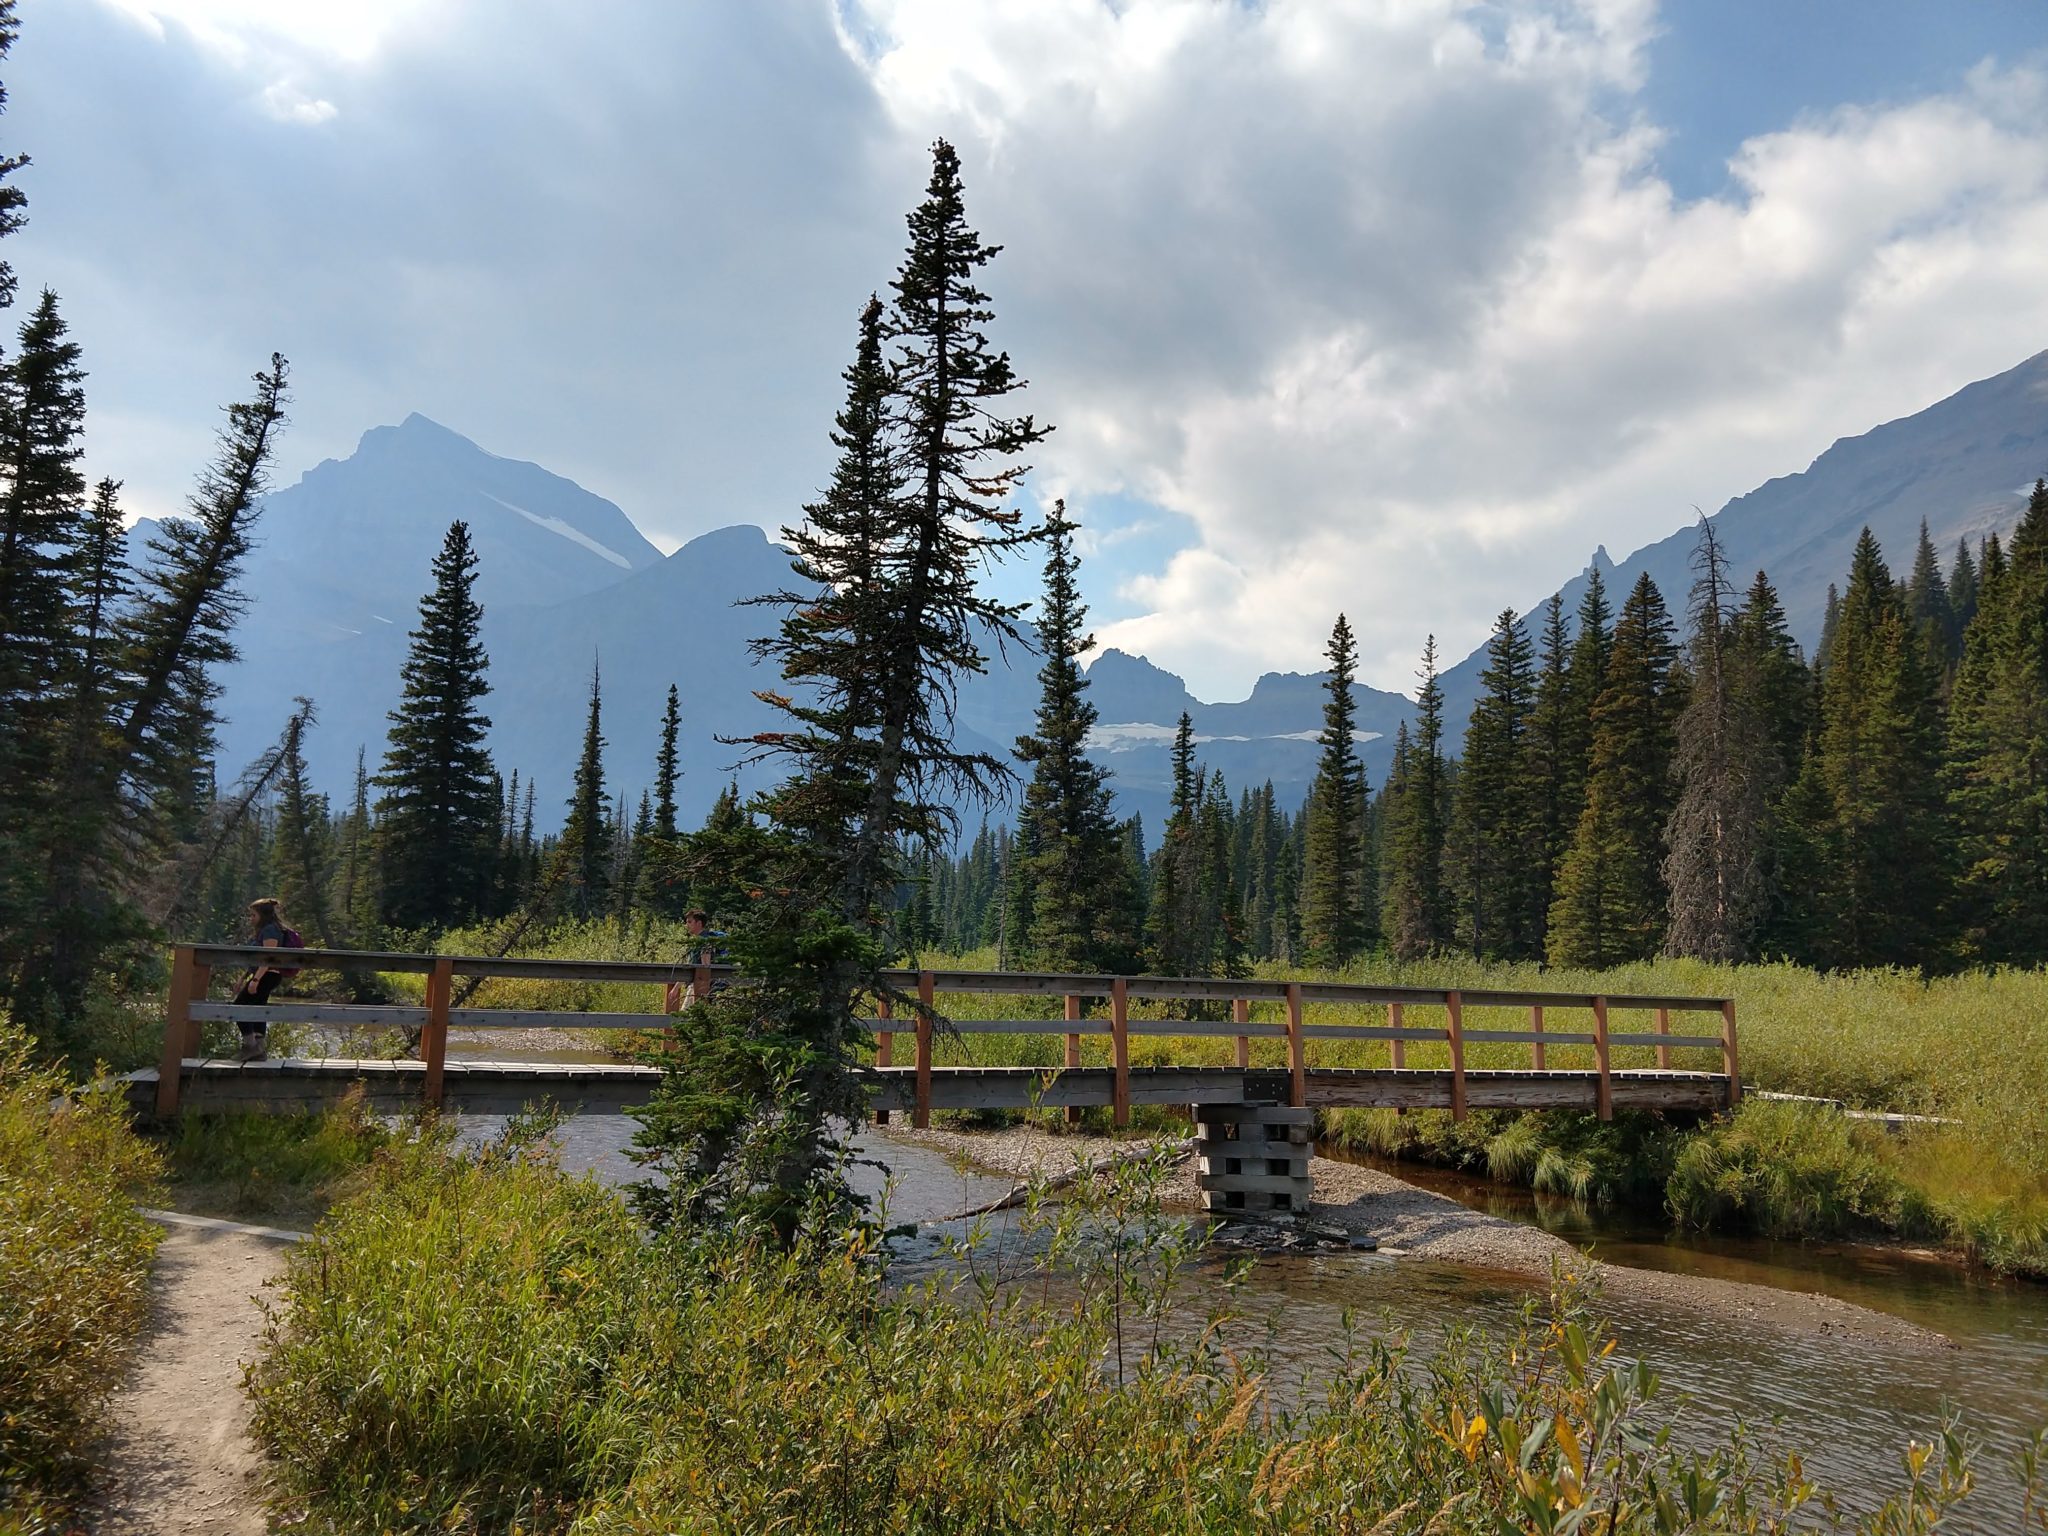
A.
x: 193, y: 966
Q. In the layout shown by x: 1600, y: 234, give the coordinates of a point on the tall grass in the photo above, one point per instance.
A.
x: 273, y: 1166
x: 480, y: 1343
x: 74, y: 1277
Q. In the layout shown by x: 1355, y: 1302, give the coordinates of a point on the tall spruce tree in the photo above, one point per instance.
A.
x: 1585, y: 681
x: 1071, y: 859
x: 1498, y: 825
x: 1767, y: 655
x: 1877, y: 761
x: 1932, y: 613
x: 1717, y: 863
x: 304, y: 844
x: 437, y: 816
x: 586, y: 846
x: 1333, y: 900
x: 1610, y: 903
x: 1962, y: 590
x: 1416, y: 914
x: 666, y: 771
x: 878, y: 640
x: 1551, y: 741
x: 1997, y: 759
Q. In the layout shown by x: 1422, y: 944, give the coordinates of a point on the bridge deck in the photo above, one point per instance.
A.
x: 505, y: 1087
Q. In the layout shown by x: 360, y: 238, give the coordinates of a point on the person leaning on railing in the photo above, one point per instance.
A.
x: 706, y: 946
x: 268, y: 928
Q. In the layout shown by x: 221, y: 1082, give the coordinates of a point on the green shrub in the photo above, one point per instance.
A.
x: 74, y: 1272
x: 444, y: 1351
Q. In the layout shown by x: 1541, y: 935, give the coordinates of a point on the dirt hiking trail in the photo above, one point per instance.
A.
x: 179, y: 1461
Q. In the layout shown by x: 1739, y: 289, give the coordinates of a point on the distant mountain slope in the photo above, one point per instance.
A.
x: 566, y: 578
x: 1964, y: 464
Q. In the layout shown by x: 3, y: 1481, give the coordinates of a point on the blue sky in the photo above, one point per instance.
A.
x: 1393, y: 308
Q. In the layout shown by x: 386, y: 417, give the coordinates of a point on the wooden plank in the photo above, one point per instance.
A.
x: 1241, y: 1016
x: 1454, y: 1008
x: 304, y: 1013
x: 1603, y: 1099
x: 434, y: 1038
x: 1264, y: 1183
x: 1120, y: 1051
x: 1257, y: 1114
x: 1529, y: 1037
x: 177, y: 1019
x: 1667, y: 1043
x: 921, y: 1114
x: 885, y: 1042
x: 1297, y: 1056
x: 1072, y: 1054
x: 1731, y: 1063
x: 1357, y: 1032
x: 1664, y: 1028
x: 1536, y: 1046
x: 1398, y: 1053
x: 543, y: 1018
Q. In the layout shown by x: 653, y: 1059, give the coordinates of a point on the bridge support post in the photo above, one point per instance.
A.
x: 1663, y: 1028
x: 885, y: 1045
x: 1254, y: 1159
x: 1603, y: 1089
x: 170, y: 1072
x: 1297, y: 1059
x: 1073, y: 1051
x: 921, y: 1114
x: 1536, y: 1027
x: 1454, y: 1031
x: 434, y: 1037
x: 1397, y: 1049
x: 1120, y: 1051
x: 1241, y: 1013
x: 1731, y: 1063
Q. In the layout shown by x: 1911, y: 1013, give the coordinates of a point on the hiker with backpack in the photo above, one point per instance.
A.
x: 268, y: 928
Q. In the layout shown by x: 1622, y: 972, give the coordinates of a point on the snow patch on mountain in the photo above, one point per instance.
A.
x: 573, y: 534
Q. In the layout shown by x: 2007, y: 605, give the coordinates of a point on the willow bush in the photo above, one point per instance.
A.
x: 74, y: 1276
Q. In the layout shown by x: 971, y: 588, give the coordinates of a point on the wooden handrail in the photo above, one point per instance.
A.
x: 1136, y: 988
x: 193, y: 965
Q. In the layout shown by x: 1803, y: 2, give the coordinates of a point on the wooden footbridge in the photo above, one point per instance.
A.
x: 1291, y: 1043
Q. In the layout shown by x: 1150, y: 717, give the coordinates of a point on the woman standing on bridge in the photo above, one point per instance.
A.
x: 268, y: 928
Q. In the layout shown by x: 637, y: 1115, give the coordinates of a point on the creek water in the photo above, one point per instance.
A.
x: 1846, y: 1405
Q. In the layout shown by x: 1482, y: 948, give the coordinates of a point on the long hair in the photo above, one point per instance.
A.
x: 264, y: 909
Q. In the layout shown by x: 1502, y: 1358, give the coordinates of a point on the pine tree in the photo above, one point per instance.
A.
x: 358, y: 900
x: 877, y: 643
x: 1962, y: 591
x: 1070, y: 864
x: 1831, y: 618
x: 42, y: 418
x: 586, y: 847
x: 303, y: 850
x: 1176, y: 931
x: 1877, y: 758
x: 666, y: 772
x: 1933, y: 616
x: 1997, y: 759
x: 437, y: 818
x: 1611, y: 904
x: 1717, y: 864
x: 1585, y: 681
x: 1417, y: 909
x: 1498, y: 823
x: 1332, y: 901
x: 1551, y: 740
x: 1768, y: 657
